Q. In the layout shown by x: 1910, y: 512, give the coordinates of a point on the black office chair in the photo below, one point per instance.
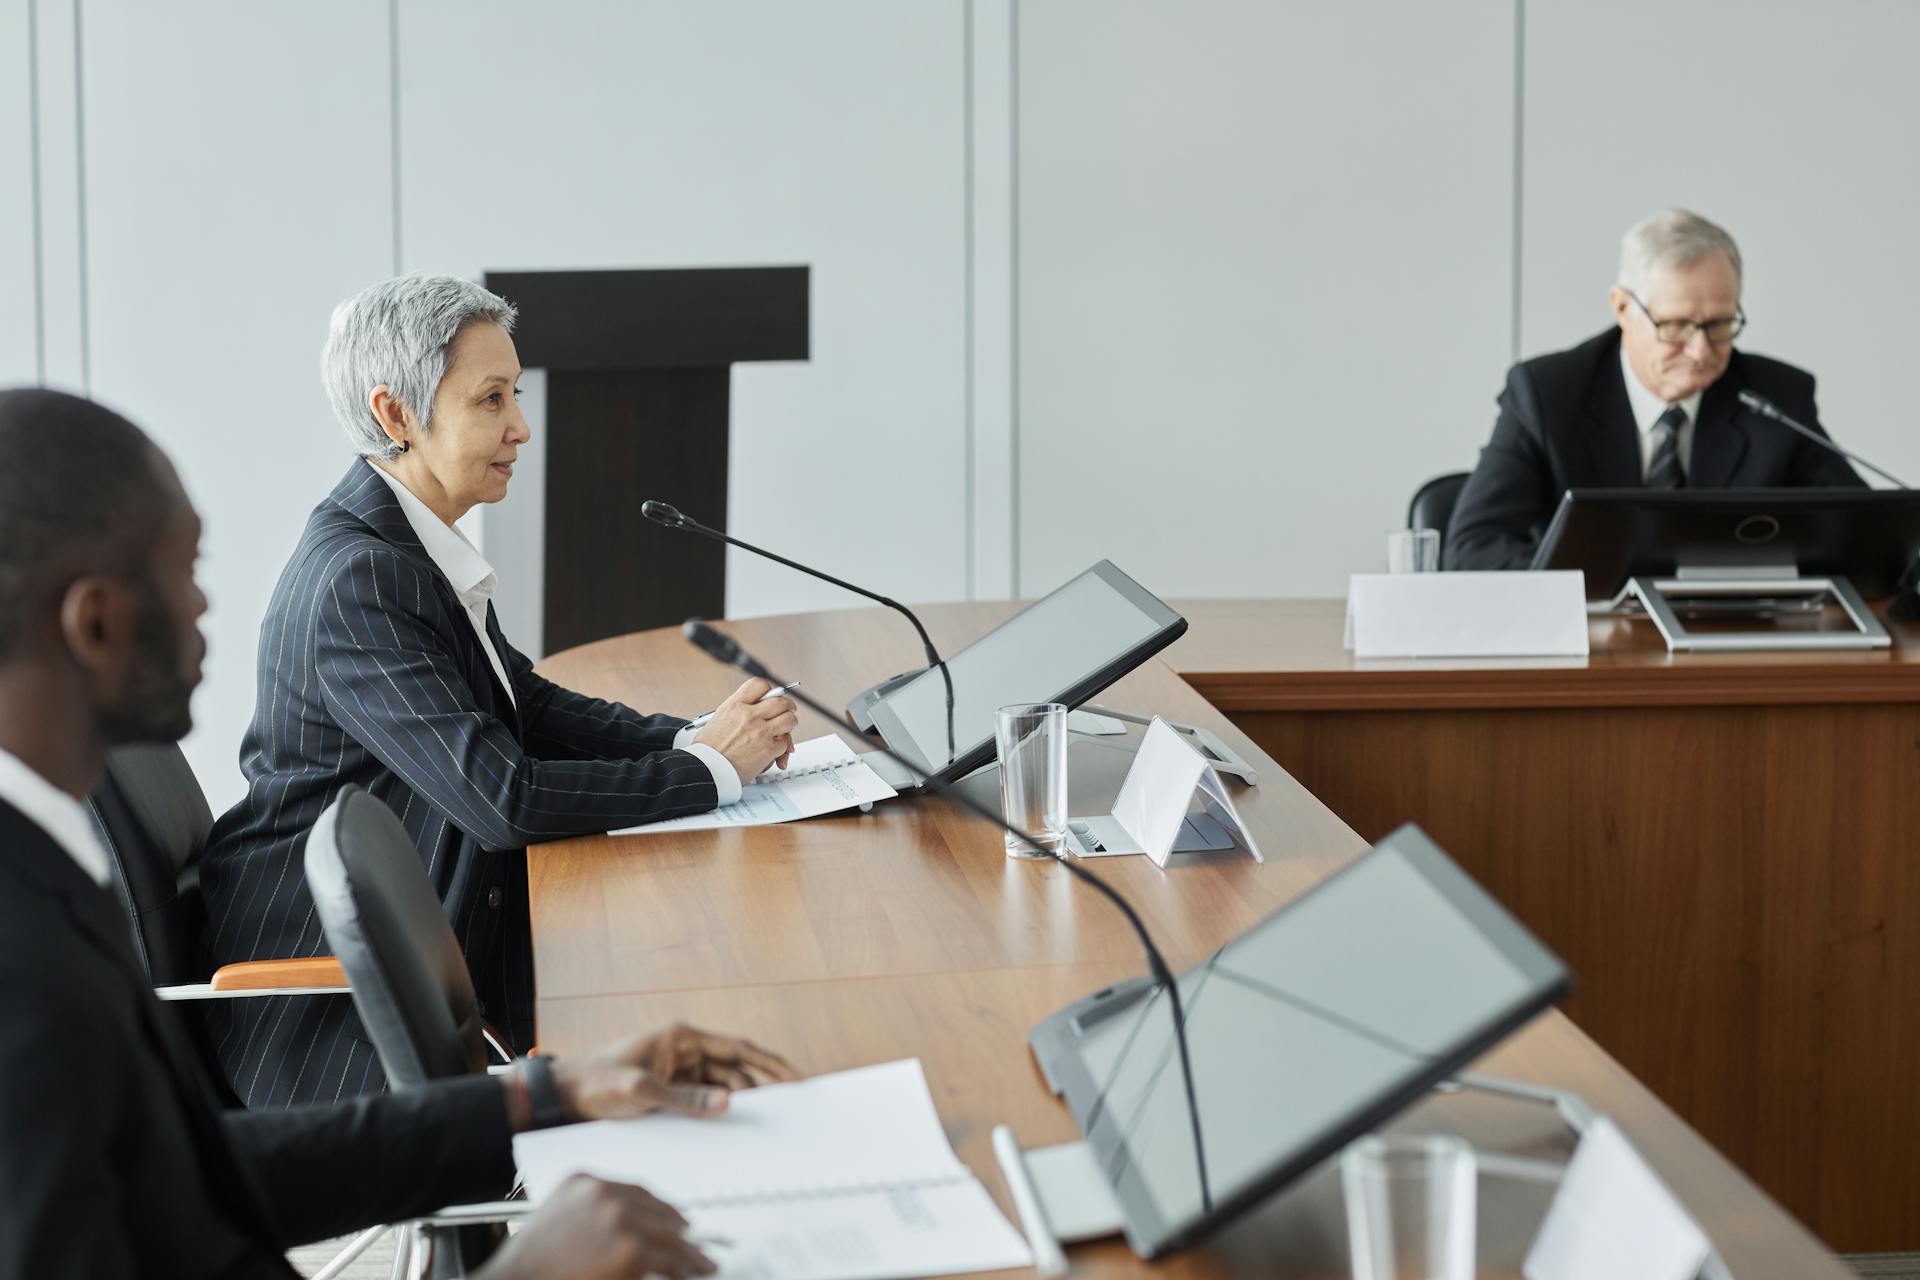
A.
x: 1432, y: 505
x: 409, y: 981
x: 153, y: 818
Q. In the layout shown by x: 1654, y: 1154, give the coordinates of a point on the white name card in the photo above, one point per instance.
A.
x: 1467, y: 615
x: 1150, y: 814
x: 1613, y: 1217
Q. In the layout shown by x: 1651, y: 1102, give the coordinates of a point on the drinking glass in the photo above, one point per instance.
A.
x: 1032, y: 741
x: 1410, y: 1207
x: 1413, y: 551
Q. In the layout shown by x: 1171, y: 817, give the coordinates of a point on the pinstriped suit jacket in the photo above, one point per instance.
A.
x: 370, y: 673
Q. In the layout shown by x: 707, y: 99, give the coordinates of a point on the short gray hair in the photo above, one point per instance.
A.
x: 398, y: 334
x: 1671, y: 238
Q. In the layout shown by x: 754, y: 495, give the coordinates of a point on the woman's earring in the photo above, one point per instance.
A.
x: 405, y: 445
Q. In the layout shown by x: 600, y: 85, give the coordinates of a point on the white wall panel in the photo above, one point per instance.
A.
x: 60, y: 187
x: 19, y: 342
x: 237, y: 187
x: 1264, y: 264
x: 1790, y: 124
x: 756, y: 132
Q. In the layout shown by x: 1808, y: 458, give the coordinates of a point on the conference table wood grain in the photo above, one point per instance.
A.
x: 1721, y: 844
x: 906, y: 932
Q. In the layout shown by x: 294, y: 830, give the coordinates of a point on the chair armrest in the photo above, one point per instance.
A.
x: 466, y: 1215
x: 303, y: 976
x: 276, y: 975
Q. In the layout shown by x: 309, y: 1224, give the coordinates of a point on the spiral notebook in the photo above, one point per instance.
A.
x: 822, y: 776
x: 842, y: 1177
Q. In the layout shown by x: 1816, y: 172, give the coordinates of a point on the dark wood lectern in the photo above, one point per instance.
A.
x: 638, y: 371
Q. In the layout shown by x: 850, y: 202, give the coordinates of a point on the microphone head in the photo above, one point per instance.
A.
x: 722, y: 648
x: 1759, y: 404
x: 662, y: 513
x: 716, y: 645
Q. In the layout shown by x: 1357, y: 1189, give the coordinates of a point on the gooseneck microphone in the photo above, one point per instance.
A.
x: 1773, y: 412
x: 1906, y: 599
x: 726, y: 650
x: 673, y: 518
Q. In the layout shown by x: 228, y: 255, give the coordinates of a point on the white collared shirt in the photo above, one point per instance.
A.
x: 1647, y: 408
x: 55, y: 812
x: 472, y: 579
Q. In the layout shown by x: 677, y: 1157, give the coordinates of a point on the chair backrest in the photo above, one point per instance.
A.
x: 1432, y: 505
x: 391, y: 935
x: 153, y: 818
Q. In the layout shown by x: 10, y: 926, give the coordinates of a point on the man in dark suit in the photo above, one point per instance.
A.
x: 382, y: 664
x: 115, y: 1159
x: 1653, y: 402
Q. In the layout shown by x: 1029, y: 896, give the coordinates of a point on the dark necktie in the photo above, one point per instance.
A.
x: 1663, y: 469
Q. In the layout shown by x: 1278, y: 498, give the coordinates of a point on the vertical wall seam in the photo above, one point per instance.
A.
x: 80, y: 181
x: 970, y: 368
x: 393, y: 118
x: 1519, y: 160
x: 39, y: 235
x: 1014, y: 297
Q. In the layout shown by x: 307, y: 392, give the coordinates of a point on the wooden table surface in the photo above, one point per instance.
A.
x: 907, y: 932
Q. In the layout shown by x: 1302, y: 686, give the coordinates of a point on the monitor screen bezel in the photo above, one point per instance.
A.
x: 1168, y: 626
x: 1545, y: 978
x: 1562, y: 543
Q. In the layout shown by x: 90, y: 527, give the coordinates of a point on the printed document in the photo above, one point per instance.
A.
x: 822, y: 776
x: 842, y: 1177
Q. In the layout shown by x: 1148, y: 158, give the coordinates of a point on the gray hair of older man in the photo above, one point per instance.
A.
x: 1671, y: 238
x: 399, y: 334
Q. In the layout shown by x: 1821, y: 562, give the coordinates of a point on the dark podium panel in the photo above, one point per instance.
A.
x: 638, y: 392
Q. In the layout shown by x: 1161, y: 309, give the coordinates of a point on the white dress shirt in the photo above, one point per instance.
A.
x: 472, y: 579
x: 56, y: 813
x: 1647, y: 408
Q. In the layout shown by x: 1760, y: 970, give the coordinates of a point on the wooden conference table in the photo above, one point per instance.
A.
x: 1723, y: 846
x: 907, y: 932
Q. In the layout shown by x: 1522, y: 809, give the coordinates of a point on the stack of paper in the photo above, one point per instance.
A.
x: 823, y: 775
x: 842, y: 1177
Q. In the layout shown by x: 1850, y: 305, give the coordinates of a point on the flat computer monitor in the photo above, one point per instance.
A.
x: 1869, y: 536
x: 1307, y: 1031
x: 1065, y: 647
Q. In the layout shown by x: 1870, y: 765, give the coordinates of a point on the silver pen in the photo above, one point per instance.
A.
x: 700, y: 721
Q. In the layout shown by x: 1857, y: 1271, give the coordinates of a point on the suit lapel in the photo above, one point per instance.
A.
x: 1613, y: 440
x: 1719, y: 439
x: 511, y: 711
x: 365, y: 496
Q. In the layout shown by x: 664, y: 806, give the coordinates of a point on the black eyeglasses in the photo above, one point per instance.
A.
x: 1679, y: 332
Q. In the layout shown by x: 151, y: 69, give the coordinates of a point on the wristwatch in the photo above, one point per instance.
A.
x: 543, y: 1096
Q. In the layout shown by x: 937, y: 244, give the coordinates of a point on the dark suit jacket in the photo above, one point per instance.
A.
x: 370, y: 672
x: 1565, y: 423
x: 114, y: 1157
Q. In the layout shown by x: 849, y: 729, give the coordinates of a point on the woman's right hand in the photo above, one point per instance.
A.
x: 750, y: 733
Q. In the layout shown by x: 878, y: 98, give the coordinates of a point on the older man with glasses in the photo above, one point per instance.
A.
x: 1651, y: 403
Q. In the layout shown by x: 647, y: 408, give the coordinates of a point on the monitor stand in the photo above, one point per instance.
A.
x: 1754, y: 591
x: 860, y: 705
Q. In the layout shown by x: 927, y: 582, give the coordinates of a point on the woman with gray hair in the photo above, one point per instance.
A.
x: 381, y: 664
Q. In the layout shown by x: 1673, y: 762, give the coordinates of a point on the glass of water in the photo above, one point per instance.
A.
x: 1413, y: 551
x: 1410, y: 1207
x: 1032, y: 742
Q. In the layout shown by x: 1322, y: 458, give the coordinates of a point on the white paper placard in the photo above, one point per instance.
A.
x: 1153, y: 800
x: 1613, y: 1217
x: 1150, y: 813
x: 1467, y: 615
